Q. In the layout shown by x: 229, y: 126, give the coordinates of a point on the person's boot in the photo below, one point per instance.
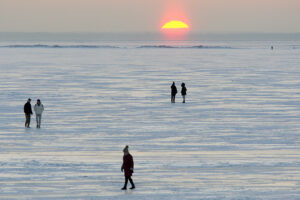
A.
x: 132, y: 184
x: 132, y: 187
x: 123, y: 188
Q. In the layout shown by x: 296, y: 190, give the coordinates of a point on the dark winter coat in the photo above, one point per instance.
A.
x: 128, y: 165
x: 173, y: 90
x: 183, y: 91
x: 27, y: 108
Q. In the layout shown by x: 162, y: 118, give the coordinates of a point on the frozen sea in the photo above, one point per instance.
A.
x: 237, y: 136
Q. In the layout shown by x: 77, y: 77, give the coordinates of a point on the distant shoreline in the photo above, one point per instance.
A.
x: 77, y: 36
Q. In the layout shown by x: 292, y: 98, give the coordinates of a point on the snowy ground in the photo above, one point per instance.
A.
x: 237, y: 137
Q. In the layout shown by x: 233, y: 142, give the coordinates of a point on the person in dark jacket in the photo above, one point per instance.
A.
x: 28, y: 113
x: 183, y: 91
x: 127, y: 167
x: 173, y: 92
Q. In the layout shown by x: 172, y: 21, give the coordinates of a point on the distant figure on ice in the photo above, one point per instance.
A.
x: 38, y: 109
x: 28, y: 113
x: 127, y: 167
x: 173, y: 92
x: 272, y: 47
x: 183, y: 91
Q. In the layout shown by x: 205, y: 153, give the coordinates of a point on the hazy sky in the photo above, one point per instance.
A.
x: 148, y: 15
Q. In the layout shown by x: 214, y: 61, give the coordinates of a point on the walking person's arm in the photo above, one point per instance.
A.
x: 131, y: 164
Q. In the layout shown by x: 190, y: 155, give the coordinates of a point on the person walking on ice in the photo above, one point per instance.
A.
x: 28, y: 113
x: 183, y: 91
x: 173, y: 92
x: 38, y: 109
x: 127, y: 167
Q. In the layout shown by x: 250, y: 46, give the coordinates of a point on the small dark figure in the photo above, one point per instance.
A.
x: 38, y: 109
x: 272, y: 47
x: 183, y: 91
x: 127, y: 167
x: 28, y: 113
x: 173, y: 92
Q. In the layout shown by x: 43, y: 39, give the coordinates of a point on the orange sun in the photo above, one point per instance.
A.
x: 175, y: 25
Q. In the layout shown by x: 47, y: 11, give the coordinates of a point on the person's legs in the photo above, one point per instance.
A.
x: 38, y: 121
x: 183, y: 96
x: 173, y: 99
x: 131, y: 182
x: 27, y: 122
x: 125, y: 184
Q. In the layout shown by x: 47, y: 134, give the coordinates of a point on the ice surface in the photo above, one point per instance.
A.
x: 237, y: 137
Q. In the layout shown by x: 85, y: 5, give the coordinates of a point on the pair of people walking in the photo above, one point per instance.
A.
x: 174, y: 92
x: 38, y: 109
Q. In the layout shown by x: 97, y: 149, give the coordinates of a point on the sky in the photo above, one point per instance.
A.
x: 203, y: 16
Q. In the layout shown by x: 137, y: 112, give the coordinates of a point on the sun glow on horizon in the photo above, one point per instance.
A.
x: 175, y: 25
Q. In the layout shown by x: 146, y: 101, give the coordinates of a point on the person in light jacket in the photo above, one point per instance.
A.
x: 127, y: 167
x: 38, y: 109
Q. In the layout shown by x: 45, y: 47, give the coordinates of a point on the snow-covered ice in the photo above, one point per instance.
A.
x: 237, y: 137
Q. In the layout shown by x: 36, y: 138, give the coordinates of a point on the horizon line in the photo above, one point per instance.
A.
x: 150, y: 32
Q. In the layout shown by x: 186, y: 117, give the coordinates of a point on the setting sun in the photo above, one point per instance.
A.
x: 175, y: 25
